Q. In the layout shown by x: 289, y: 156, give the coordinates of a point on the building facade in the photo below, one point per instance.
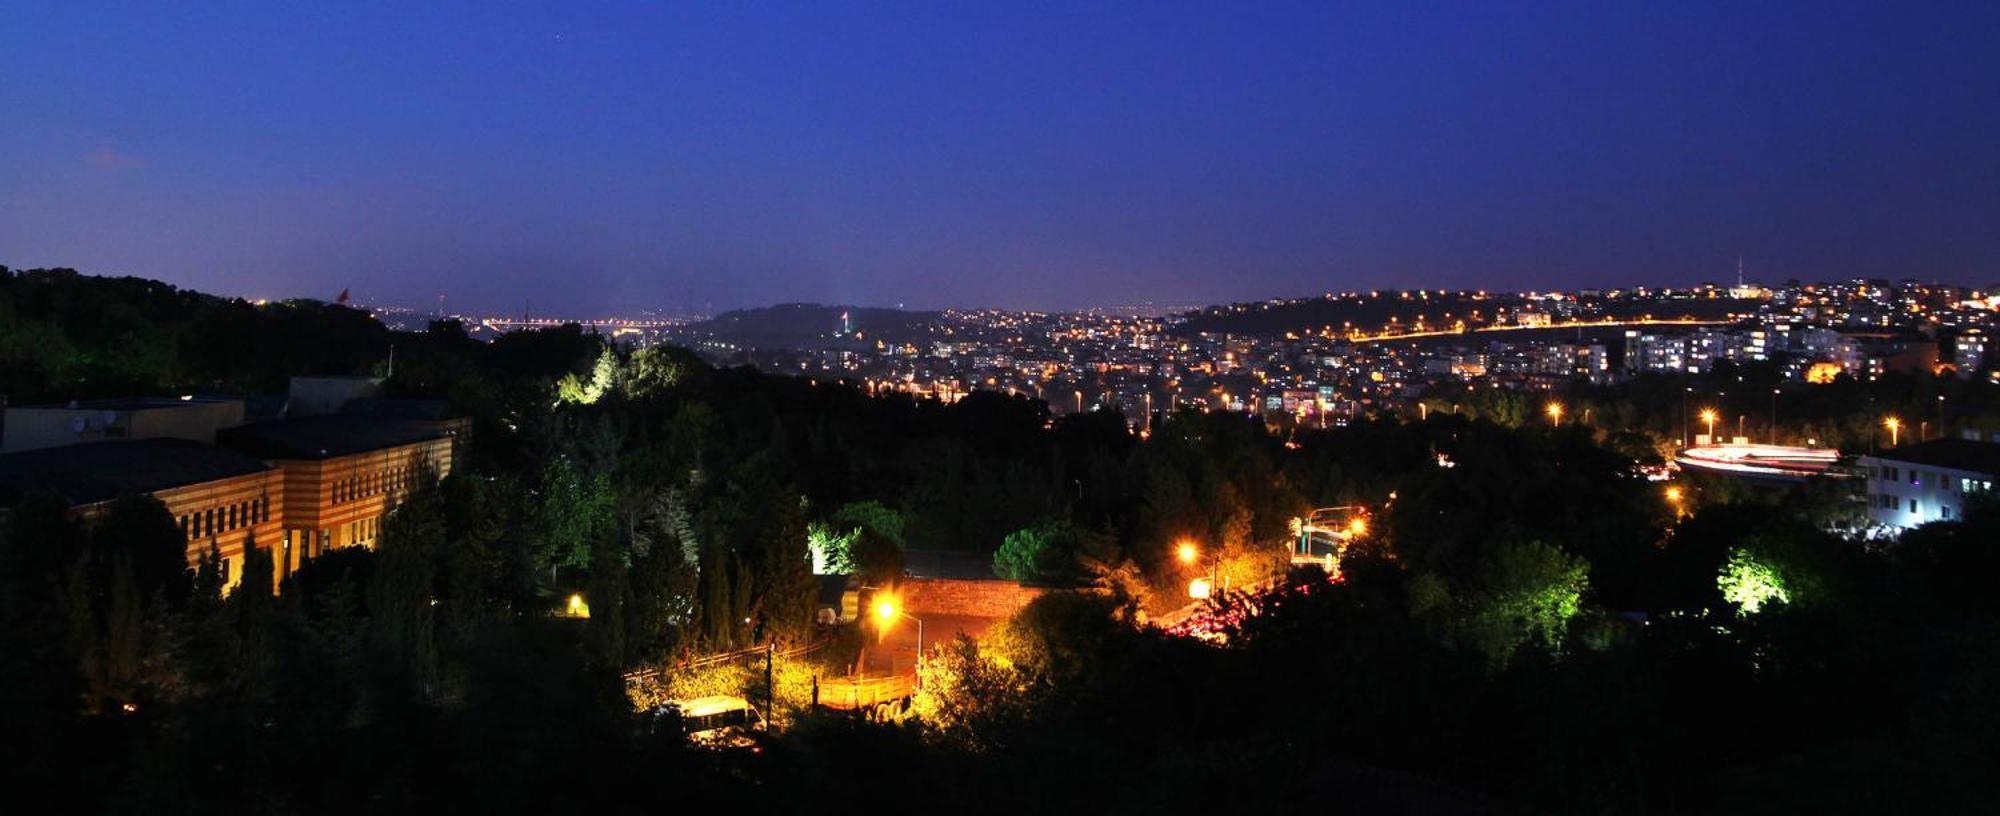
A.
x: 1928, y: 481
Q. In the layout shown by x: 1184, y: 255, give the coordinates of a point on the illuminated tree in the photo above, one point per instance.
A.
x: 1528, y: 594
x: 575, y: 510
x: 1750, y: 584
x: 832, y: 548
x: 573, y: 389
x: 967, y: 695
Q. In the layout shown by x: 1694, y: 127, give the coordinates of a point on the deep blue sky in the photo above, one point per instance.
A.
x: 591, y: 157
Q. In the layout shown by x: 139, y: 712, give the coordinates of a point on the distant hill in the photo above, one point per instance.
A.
x: 65, y: 335
x: 1272, y: 318
x: 1363, y: 311
x: 805, y: 325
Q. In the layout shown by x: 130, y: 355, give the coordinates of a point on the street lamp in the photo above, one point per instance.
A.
x: 1674, y: 497
x: 1555, y: 412
x: 1774, y: 416
x: 1188, y: 554
x: 1895, y: 426
x: 886, y: 612
x: 1708, y: 416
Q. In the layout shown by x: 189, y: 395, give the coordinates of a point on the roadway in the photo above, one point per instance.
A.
x: 1574, y: 324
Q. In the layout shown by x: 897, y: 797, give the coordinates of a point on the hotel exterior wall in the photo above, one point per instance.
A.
x: 339, y: 501
x: 299, y: 508
x: 226, y: 512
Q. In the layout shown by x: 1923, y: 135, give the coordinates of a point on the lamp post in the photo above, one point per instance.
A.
x: 886, y: 612
x: 1708, y: 416
x: 1189, y: 554
x: 1895, y: 427
x: 1684, y: 414
x: 1555, y: 412
x: 1774, y: 416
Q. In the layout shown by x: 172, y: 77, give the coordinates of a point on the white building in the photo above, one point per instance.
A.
x: 1928, y: 481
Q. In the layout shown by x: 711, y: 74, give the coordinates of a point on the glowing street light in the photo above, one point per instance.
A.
x: 886, y: 613
x: 1555, y: 412
x: 1708, y: 416
x: 1895, y: 426
x: 1188, y: 554
x: 1357, y: 527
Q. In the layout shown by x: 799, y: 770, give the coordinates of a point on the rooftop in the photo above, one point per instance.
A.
x: 100, y: 471
x: 324, y: 437
x: 128, y: 403
x: 1955, y: 454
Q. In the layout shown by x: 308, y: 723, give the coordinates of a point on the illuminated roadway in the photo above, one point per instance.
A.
x: 1574, y: 324
x: 1781, y: 463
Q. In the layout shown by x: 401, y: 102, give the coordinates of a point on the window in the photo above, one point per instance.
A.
x: 208, y: 522
x: 1913, y: 505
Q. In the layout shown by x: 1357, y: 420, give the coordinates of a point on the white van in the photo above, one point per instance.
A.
x: 718, y: 721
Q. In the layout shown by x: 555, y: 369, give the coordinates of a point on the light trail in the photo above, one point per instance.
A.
x: 1574, y: 324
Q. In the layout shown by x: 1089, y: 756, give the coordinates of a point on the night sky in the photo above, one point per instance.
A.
x: 590, y: 157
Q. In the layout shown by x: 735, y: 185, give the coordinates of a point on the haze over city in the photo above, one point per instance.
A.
x: 584, y: 160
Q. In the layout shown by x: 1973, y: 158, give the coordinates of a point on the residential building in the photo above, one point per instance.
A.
x: 1928, y: 481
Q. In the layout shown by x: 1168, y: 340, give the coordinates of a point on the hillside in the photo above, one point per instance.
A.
x: 806, y: 325
x: 66, y: 335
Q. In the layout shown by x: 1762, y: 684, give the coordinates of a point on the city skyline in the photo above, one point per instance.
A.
x: 1016, y: 158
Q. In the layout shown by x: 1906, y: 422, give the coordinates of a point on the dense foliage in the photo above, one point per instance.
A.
x: 1526, y: 625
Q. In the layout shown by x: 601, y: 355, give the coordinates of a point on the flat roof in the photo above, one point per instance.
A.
x: 125, y: 404
x: 1955, y: 454
x: 324, y: 437
x: 99, y: 471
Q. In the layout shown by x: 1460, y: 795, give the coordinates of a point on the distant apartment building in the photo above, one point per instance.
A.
x: 1657, y: 352
x: 1970, y: 352
x: 1928, y: 481
x: 1584, y: 361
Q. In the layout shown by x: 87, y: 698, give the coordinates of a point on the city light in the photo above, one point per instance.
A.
x: 1357, y: 527
x: 1187, y: 553
x: 1555, y: 412
x: 576, y: 608
x: 1199, y: 589
x: 1895, y: 427
x: 885, y: 610
x: 1708, y: 416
